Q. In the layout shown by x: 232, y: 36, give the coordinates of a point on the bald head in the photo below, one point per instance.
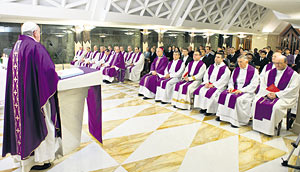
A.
x: 275, y: 55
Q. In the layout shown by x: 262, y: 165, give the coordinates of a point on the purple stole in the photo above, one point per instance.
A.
x: 128, y: 56
x: 165, y: 81
x: 101, y: 55
x: 211, y: 91
x: 264, y: 106
x: 95, y: 53
x: 80, y: 52
x: 233, y: 97
x: 88, y: 54
x: 137, y: 59
x: 269, y: 66
x: 186, y: 84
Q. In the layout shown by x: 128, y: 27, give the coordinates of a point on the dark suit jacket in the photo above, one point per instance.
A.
x: 269, y: 56
x: 152, y: 56
x: 261, y: 63
x: 226, y: 61
x: 208, y: 60
x: 191, y: 54
x: 189, y: 59
x: 297, y: 62
x: 233, y: 58
x: 169, y: 55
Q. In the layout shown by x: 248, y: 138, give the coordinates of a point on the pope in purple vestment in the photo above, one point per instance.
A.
x: 148, y: 83
x: 31, y: 87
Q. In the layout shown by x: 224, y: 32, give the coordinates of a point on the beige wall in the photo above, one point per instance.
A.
x: 261, y: 41
x: 273, y: 41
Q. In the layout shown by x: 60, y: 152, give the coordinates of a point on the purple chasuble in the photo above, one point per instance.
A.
x: 31, y: 82
x: 186, y: 84
x: 118, y: 61
x: 150, y: 81
x: 212, y: 90
x: 264, y: 106
x: 233, y: 97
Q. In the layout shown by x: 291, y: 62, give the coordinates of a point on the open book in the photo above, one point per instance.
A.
x: 69, y: 73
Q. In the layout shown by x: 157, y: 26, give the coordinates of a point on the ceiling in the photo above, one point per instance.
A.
x: 215, y: 16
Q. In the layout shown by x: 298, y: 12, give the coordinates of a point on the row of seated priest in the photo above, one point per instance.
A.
x: 235, y: 97
x: 115, y: 65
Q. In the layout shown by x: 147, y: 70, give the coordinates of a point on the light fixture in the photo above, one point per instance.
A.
x: 192, y: 34
x: 77, y: 28
x: 173, y: 35
x: 60, y: 35
x: 128, y: 33
x: 88, y: 27
x: 145, y: 32
x: 102, y: 36
x: 242, y: 36
x: 160, y: 30
x: 225, y: 36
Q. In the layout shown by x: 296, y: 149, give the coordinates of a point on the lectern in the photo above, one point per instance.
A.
x: 72, y: 93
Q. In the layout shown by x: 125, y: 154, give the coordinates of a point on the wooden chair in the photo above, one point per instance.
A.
x: 290, y: 118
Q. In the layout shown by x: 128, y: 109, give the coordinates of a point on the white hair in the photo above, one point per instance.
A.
x: 28, y: 28
x: 243, y: 57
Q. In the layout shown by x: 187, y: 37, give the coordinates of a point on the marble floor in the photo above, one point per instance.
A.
x: 145, y: 136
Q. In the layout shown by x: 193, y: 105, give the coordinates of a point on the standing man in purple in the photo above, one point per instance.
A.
x: 149, y: 81
x: 31, y: 124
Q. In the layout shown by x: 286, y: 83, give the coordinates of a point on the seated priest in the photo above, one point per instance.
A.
x: 235, y: 102
x: 278, y: 92
x: 122, y: 51
x: 31, y: 122
x: 133, y: 70
x: 93, y: 57
x: 105, y: 61
x: 86, y: 57
x: 78, y: 57
x: 191, y: 79
x: 215, y: 81
x: 270, y: 65
x: 173, y: 73
x: 128, y: 56
x: 116, y: 64
x: 148, y: 82
x: 98, y: 61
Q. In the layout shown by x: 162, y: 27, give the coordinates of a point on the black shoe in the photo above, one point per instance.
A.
x: 41, y: 167
x: 218, y: 119
x: 140, y: 95
x: 107, y: 82
x: 157, y: 100
x: 146, y: 98
x: 163, y: 102
x: 208, y: 114
x: 202, y: 111
x: 233, y: 126
x: 174, y: 106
